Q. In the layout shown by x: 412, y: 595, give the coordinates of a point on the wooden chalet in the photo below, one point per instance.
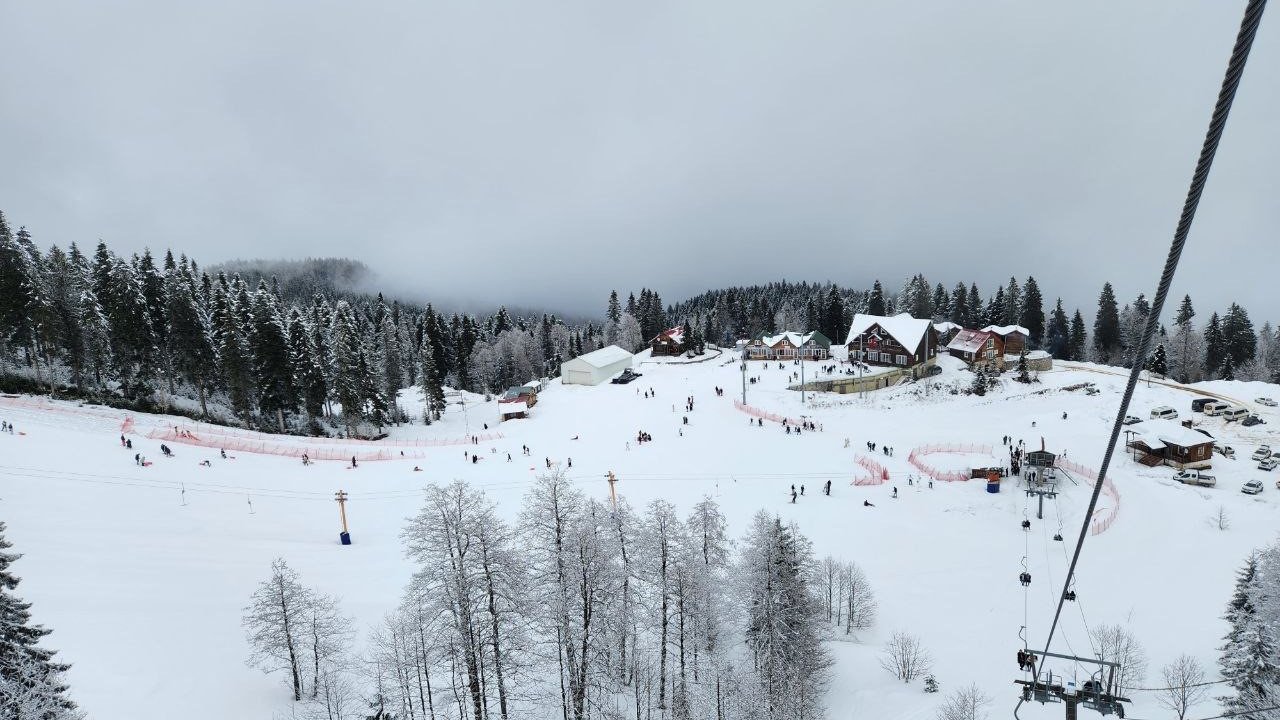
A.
x: 898, y: 341
x: 1164, y: 442
x: 977, y: 347
x: 1014, y: 337
x: 789, y: 346
x: 523, y: 393
x: 668, y: 342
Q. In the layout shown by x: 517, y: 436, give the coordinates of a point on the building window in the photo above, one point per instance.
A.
x: 902, y: 359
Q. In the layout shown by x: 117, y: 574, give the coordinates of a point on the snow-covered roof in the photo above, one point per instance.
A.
x: 511, y: 408
x: 970, y: 341
x: 1155, y: 434
x: 945, y: 327
x: 1003, y: 330
x: 795, y: 338
x: 605, y: 356
x: 908, y: 331
x: 675, y: 334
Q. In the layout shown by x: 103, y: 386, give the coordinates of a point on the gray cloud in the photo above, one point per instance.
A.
x: 546, y: 152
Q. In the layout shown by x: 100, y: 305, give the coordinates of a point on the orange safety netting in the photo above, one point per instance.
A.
x: 209, y: 430
x: 261, y: 447
x: 878, y: 475
x: 914, y: 457
x: 1103, y: 518
x: 757, y: 412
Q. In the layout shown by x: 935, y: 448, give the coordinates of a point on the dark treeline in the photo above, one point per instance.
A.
x: 148, y: 333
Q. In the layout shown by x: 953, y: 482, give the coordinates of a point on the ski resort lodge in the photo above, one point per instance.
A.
x: 595, y: 367
x: 899, y: 341
x: 1165, y: 442
x: 789, y: 346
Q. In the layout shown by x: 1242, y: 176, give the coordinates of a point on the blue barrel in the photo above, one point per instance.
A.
x: 345, y: 537
x: 993, y: 487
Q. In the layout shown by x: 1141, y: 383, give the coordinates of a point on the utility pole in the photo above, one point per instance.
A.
x: 613, y: 495
x: 341, y: 497
x: 744, y: 376
x: 802, y: 377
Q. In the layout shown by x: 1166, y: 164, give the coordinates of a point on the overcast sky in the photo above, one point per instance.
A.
x: 543, y: 153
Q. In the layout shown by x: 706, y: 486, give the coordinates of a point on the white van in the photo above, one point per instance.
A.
x: 1234, y: 413
x: 1216, y: 408
x: 1164, y: 412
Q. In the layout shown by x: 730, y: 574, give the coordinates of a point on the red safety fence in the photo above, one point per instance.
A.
x: 1103, y: 517
x: 209, y: 430
x: 237, y: 444
x: 914, y: 457
x: 757, y: 412
x: 876, y: 473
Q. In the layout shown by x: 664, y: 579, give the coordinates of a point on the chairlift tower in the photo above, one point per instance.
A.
x: 1099, y: 692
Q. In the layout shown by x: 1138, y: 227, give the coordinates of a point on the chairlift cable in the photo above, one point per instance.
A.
x: 1213, y: 136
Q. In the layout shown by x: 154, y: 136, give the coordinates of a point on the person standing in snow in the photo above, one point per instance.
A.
x: 793, y: 494
x: 802, y: 489
x: 895, y: 491
x: 353, y: 461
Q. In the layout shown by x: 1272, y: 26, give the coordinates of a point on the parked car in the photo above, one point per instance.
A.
x: 1198, y: 404
x: 1268, y: 464
x: 1132, y: 419
x: 1195, y: 477
x: 1225, y: 450
x: 1260, y: 453
x: 1265, y: 401
x: 1253, y: 487
x: 1164, y: 412
x: 627, y: 376
x: 1253, y: 420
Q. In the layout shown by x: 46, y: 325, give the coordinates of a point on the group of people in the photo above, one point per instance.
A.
x: 643, y: 437
x: 1027, y: 661
x: 888, y: 451
x: 6, y: 426
x: 826, y: 490
x: 164, y: 450
x: 648, y: 393
x: 688, y: 404
x: 719, y: 391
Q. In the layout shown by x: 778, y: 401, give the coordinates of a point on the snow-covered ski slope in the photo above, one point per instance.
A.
x: 145, y: 593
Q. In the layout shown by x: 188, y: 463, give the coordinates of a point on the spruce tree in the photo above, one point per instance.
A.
x: 1058, y: 336
x: 1159, y: 362
x: 31, y: 685
x: 1032, y: 317
x: 1076, y: 344
x: 833, y: 323
x: 308, y: 376
x: 959, y: 307
x: 976, y: 317
x: 237, y: 359
x: 192, y: 353
x: 1215, y: 350
x: 997, y: 308
x: 348, y: 363
x: 1237, y: 332
x: 273, y: 371
x: 940, y: 309
x: 1013, y: 304
x: 1106, y: 327
x: 875, y: 303
x: 614, y: 312
x: 432, y: 389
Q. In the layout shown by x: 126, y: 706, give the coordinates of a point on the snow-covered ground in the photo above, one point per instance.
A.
x: 145, y: 593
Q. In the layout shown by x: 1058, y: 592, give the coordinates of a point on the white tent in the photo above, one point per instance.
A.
x: 595, y: 367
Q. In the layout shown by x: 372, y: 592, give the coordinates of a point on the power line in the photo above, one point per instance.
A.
x: 1237, y: 713
x: 1222, y: 109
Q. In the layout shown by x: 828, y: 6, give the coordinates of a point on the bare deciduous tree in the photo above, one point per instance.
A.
x: 968, y: 703
x: 905, y: 657
x: 1116, y: 644
x: 1182, y: 679
x: 274, y: 623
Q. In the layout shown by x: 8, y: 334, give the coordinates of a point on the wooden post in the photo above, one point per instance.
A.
x: 613, y: 496
x: 341, y: 498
